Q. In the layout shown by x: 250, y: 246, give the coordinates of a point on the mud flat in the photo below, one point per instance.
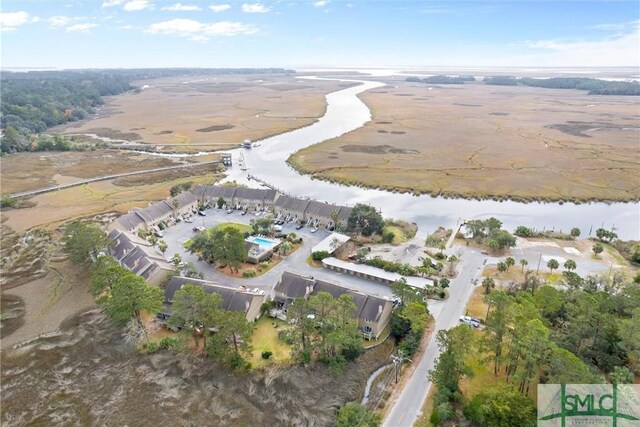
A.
x: 487, y: 142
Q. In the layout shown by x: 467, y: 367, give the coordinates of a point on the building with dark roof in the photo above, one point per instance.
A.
x: 292, y: 286
x: 182, y: 205
x: 138, y: 256
x: 233, y: 299
x: 290, y: 208
x: 321, y: 214
x: 253, y: 198
x: 373, y: 313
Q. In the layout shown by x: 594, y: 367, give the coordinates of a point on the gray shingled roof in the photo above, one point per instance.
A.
x: 293, y: 285
x: 270, y: 195
x: 344, y: 212
x: 120, y: 244
x: 155, y: 211
x: 199, y: 191
x: 250, y: 194
x: 232, y: 299
x: 371, y: 310
x: 185, y: 198
x: 130, y: 220
x: 336, y: 291
x: 291, y: 203
x: 223, y: 191
x: 321, y: 209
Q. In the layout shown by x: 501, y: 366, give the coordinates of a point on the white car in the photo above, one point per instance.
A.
x: 189, y: 220
x: 313, y: 230
x: 468, y: 320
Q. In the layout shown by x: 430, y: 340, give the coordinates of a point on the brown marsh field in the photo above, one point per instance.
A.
x: 481, y: 141
x: 214, y: 112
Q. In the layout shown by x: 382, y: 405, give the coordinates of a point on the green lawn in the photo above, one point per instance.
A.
x: 240, y: 227
x: 399, y: 237
x: 265, y: 338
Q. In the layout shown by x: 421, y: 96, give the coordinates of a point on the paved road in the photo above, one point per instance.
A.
x: 176, y: 235
x: 407, y: 408
x: 105, y: 178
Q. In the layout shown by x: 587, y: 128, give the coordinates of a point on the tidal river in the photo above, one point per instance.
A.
x: 346, y: 112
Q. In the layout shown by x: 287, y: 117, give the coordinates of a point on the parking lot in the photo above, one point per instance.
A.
x: 176, y: 235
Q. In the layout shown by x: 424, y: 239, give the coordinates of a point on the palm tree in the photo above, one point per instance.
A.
x: 553, y: 264
x: 285, y: 247
x: 510, y: 261
x: 523, y: 263
x: 570, y: 265
x: 334, y: 219
x: 488, y: 284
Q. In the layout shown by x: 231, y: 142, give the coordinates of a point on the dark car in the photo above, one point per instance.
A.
x: 299, y: 226
x: 201, y: 213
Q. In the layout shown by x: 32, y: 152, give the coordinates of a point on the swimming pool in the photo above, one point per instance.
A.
x: 264, y: 243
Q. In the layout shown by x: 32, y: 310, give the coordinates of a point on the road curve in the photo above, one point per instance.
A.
x: 104, y: 178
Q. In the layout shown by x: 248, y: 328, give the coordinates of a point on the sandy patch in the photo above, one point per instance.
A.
x: 572, y: 251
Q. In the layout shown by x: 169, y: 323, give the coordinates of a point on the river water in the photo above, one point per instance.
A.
x: 345, y: 112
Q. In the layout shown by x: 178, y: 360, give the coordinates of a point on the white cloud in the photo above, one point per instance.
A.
x: 617, y: 50
x: 9, y: 21
x: 135, y: 5
x: 81, y: 27
x: 199, y: 31
x: 59, y: 21
x: 255, y: 8
x: 220, y: 7
x: 126, y: 27
x: 321, y: 3
x: 179, y: 7
x: 111, y: 3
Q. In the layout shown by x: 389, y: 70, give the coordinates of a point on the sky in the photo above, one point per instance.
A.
x: 318, y: 33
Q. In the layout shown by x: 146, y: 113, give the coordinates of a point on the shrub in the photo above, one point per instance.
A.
x: 249, y: 273
x: 167, y: 343
x: 523, y: 231
x: 266, y: 354
x: 264, y: 265
x: 6, y: 202
x: 152, y: 347
x: 320, y: 255
x: 388, y: 237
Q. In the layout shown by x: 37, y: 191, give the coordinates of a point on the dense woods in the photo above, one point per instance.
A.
x: 582, y: 333
x: 593, y: 86
x: 34, y: 101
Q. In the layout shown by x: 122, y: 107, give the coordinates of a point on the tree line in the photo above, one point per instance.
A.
x: 593, y: 86
x: 34, y: 101
x: 442, y: 79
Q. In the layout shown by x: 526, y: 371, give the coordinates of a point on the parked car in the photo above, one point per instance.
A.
x: 314, y: 229
x: 198, y: 228
x: 277, y: 227
x: 470, y: 321
x: 280, y: 222
x: 299, y: 226
x: 189, y: 220
x: 159, y: 234
x: 229, y: 211
x: 243, y: 213
x: 258, y: 213
x: 201, y: 213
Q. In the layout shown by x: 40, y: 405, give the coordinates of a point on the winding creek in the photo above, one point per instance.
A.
x: 346, y: 112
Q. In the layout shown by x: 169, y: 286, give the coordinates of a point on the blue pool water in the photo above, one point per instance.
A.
x: 264, y: 244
